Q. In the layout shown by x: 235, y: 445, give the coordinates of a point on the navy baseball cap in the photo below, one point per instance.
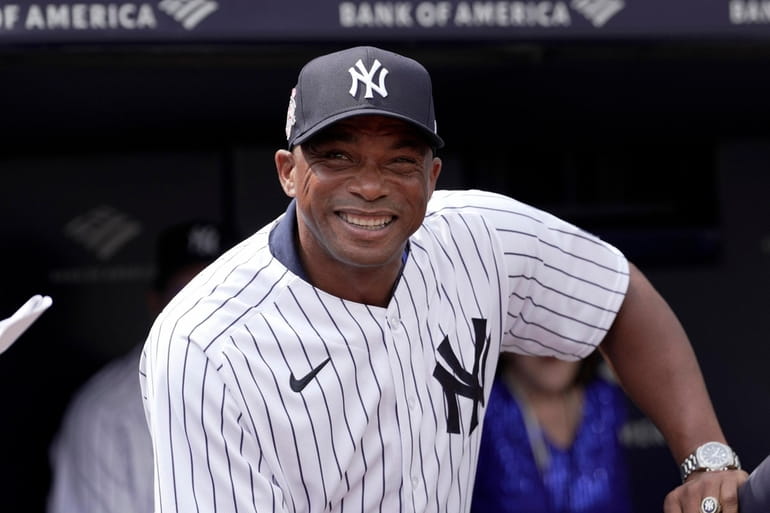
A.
x: 358, y: 81
x: 183, y: 244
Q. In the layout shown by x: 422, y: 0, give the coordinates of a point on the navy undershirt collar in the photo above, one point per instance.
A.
x: 283, y: 243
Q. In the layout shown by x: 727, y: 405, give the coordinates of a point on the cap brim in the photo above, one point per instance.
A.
x: 434, y: 140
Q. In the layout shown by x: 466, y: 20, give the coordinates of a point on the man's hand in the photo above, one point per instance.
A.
x: 722, y: 485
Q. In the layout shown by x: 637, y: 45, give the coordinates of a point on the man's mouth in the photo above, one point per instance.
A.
x: 366, y: 222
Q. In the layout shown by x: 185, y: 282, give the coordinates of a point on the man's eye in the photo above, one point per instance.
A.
x: 405, y: 164
x: 335, y: 155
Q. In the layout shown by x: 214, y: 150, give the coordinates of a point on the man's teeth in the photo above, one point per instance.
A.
x: 366, y: 221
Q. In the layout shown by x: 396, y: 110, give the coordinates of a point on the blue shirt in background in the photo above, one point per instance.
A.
x: 591, y: 476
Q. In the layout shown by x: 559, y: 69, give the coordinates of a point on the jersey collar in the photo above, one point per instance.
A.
x: 283, y: 242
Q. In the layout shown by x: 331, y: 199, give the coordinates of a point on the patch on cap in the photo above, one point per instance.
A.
x: 291, y: 119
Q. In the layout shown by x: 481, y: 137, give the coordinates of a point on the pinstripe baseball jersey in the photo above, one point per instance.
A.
x: 264, y: 393
x: 102, y: 456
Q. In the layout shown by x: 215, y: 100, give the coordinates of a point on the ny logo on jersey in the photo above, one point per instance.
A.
x: 366, y: 77
x: 461, y: 382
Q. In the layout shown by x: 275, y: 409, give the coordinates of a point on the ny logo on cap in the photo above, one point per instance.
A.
x: 366, y: 77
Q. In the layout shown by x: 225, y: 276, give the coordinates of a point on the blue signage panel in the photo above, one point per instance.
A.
x: 319, y: 20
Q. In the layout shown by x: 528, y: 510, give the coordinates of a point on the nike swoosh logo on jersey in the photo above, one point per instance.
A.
x: 299, y: 384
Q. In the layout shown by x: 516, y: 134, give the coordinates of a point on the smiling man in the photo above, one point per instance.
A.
x: 340, y: 358
x: 361, y: 190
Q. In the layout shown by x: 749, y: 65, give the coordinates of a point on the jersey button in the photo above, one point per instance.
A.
x: 394, y: 323
x: 411, y: 403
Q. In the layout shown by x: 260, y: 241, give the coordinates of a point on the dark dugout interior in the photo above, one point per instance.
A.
x: 660, y: 147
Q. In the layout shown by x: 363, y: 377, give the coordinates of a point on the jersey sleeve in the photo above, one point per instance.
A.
x: 206, y: 458
x: 564, y: 285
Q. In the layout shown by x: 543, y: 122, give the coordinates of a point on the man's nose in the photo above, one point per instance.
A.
x: 369, y: 182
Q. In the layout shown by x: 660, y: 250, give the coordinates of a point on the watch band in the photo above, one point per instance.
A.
x: 688, y: 466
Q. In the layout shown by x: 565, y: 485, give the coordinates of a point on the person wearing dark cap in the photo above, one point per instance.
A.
x: 101, y: 457
x: 341, y: 357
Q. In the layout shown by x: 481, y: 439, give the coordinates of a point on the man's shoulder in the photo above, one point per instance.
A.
x: 451, y: 212
x: 111, y: 393
x: 447, y: 203
x: 464, y: 198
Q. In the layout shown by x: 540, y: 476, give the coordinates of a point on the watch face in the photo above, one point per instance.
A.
x: 714, y: 455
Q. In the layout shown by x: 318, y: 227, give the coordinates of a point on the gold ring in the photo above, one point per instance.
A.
x: 710, y: 505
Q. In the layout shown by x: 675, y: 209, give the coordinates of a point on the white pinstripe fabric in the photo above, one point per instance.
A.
x: 370, y: 432
x: 101, y: 457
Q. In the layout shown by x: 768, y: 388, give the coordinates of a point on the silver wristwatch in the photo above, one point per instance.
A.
x: 709, y: 456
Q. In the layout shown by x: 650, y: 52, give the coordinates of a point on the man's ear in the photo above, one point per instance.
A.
x: 284, y: 164
x: 435, y: 171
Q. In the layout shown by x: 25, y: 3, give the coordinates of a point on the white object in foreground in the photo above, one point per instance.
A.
x: 12, y: 327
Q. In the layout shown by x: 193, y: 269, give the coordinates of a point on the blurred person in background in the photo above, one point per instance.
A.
x: 551, y: 439
x: 101, y: 457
